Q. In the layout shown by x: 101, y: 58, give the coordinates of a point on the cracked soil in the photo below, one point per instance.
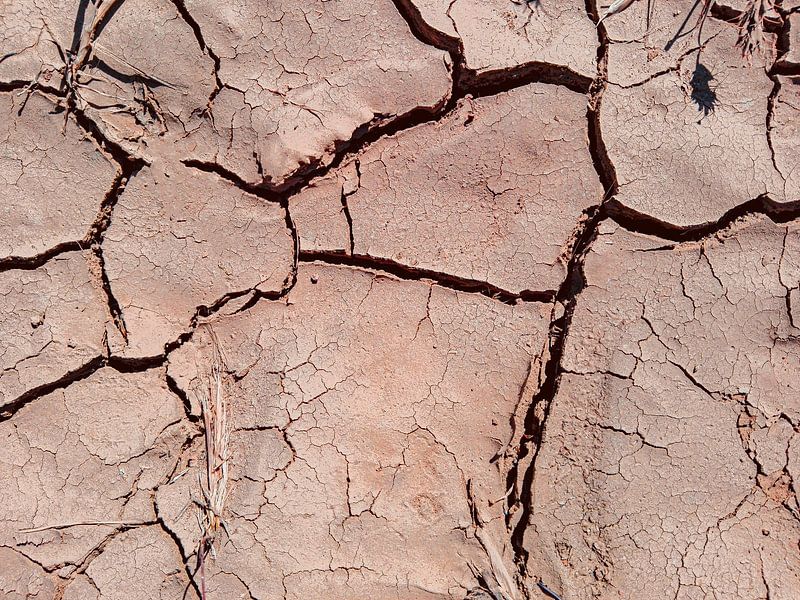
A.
x: 506, y: 301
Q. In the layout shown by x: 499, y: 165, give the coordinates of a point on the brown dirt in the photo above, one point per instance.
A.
x: 506, y: 304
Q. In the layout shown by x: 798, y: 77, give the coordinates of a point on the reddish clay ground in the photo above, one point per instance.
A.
x: 504, y: 305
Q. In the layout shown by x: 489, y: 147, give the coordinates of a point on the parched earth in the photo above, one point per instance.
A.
x: 507, y: 303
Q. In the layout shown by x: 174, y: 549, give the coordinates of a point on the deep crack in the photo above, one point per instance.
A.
x: 445, y: 280
x: 521, y: 484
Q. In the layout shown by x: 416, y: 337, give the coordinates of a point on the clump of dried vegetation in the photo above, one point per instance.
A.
x: 214, y: 409
x: 751, y: 26
x: 751, y: 21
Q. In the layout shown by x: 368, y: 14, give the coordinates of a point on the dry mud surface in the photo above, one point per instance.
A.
x: 506, y: 304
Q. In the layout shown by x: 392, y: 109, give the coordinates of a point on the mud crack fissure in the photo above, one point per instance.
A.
x: 520, y: 484
x: 466, y: 83
x: 267, y: 330
x: 535, y: 420
x: 402, y: 271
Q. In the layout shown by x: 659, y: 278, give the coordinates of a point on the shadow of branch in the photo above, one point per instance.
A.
x: 702, y: 94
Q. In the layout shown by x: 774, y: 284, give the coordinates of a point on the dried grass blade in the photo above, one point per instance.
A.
x: 616, y: 7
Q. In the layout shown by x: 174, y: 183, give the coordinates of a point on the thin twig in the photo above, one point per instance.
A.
x: 87, y: 39
x: 701, y: 19
x: 750, y: 22
x: 104, y: 53
x: 85, y: 523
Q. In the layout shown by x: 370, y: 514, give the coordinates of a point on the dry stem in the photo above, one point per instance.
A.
x: 87, y: 39
x: 751, y: 22
x: 214, y: 408
x: 84, y: 524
